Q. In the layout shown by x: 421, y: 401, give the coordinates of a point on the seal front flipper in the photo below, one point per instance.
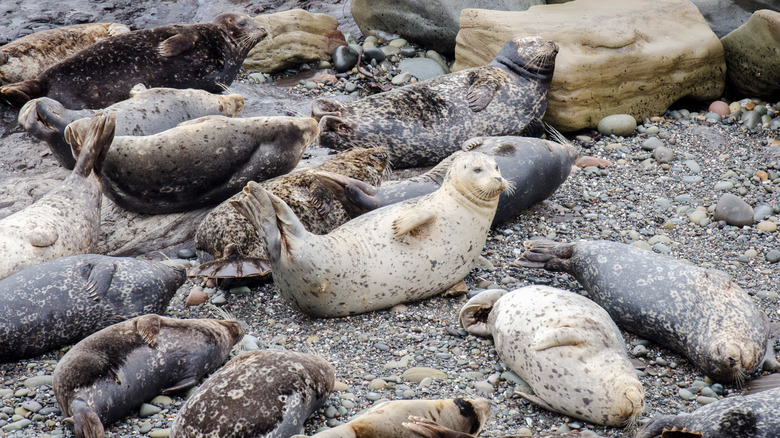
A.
x: 481, y: 92
x: 557, y: 337
x: 19, y: 93
x: 99, y: 279
x: 42, y: 237
x: 177, y: 44
x: 86, y: 422
x: 535, y: 128
x: 321, y: 198
x: 148, y: 326
x: 181, y: 385
x: 325, y: 107
x: 411, y: 222
x: 356, y: 196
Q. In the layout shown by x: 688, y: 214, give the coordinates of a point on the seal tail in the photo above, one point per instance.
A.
x: 426, y: 428
x: 546, y: 254
x: 95, y: 144
x: 19, y: 93
x: 86, y: 422
x: 474, y: 315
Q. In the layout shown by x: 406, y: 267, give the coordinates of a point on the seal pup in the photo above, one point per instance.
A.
x: 267, y: 393
x: 206, y: 56
x: 385, y: 420
x: 699, y: 313
x: 200, y: 162
x: 565, y: 346
x: 62, y: 301
x: 27, y: 57
x: 110, y: 373
x: 399, y: 253
x: 146, y: 112
x: 422, y: 123
x: 64, y: 221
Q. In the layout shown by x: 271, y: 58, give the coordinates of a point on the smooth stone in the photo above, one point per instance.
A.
x: 733, y: 210
x: 159, y: 433
x: 350, y: 87
x: 617, y: 124
x: 145, y: 427
x: 32, y: 405
x: 662, y: 204
x: 774, y: 124
x: 697, y: 215
x: 773, y: 256
x: 692, y: 179
x: 162, y: 400
x: 374, y: 54
x: 36, y: 381
x: 751, y: 253
x: 344, y: 58
x: 663, y: 249
x: 685, y: 394
x: 421, y: 68
x: 16, y: 425
x: 652, y: 143
x: 641, y: 244
x: 692, y: 165
x: 408, y: 51
x: 398, y: 42
x: 702, y: 400
x: 484, y: 387
x: 720, y: 107
x: 663, y: 154
x: 723, y: 185
x: 377, y: 384
x: 751, y: 119
x: 767, y: 226
x: 417, y: 374
x: 751, y: 53
x: 147, y: 410
x: 401, y: 79
x: 389, y: 51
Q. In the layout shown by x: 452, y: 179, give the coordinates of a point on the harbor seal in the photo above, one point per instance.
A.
x: 110, y: 373
x: 66, y: 220
x: 268, y: 393
x: 699, y: 313
x: 28, y: 56
x: 399, y: 253
x: 385, y: 420
x: 200, y: 162
x: 206, y: 56
x: 146, y: 112
x: 565, y: 347
x: 534, y: 169
x: 420, y: 124
x: 62, y: 301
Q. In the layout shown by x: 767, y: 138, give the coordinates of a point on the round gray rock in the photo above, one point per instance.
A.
x: 733, y: 210
x: 421, y: 68
x: 617, y: 124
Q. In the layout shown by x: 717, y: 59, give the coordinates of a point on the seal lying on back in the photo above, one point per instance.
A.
x: 62, y: 301
x: 565, y: 346
x: 146, y: 112
x: 66, y: 220
x: 267, y: 393
x: 399, y: 253
x: 206, y: 56
x: 112, y: 372
x: 423, y: 123
x: 699, y: 313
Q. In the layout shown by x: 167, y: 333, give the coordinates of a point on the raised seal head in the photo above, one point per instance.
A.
x: 477, y: 178
x: 528, y: 55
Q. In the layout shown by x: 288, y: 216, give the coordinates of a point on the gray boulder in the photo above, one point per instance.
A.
x: 753, y: 56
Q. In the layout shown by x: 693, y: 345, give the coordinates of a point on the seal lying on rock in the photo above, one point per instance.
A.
x: 422, y: 123
x: 112, y: 372
x: 699, y: 313
x: 565, y: 346
x: 267, y: 393
x: 206, y: 56
x: 399, y: 253
x: 62, y: 301
x: 66, y: 220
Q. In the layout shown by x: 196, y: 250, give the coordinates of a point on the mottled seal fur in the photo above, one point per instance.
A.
x: 534, y: 169
x: 110, y: 373
x: 206, y: 56
x: 699, y: 313
x: 399, y: 253
x: 28, y: 56
x: 62, y: 301
x: 200, y: 162
x: 146, y: 112
x: 752, y: 416
x: 385, y: 420
x: 565, y: 347
x: 422, y: 123
x: 267, y: 393
x: 65, y: 221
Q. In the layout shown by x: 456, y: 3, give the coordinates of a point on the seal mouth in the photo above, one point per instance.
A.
x: 536, y: 54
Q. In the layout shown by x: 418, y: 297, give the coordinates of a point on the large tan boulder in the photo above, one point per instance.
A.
x: 634, y: 56
x: 295, y: 37
x: 753, y: 56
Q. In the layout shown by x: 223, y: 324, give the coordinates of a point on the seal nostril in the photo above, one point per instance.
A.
x: 732, y: 362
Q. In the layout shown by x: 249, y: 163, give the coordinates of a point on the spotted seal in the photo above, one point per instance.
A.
x: 206, y: 56
x: 200, y: 162
x: 565, y: 347
x: 62, y: 301
x: 66, y: 220
x: 422, y: 123
x: 28, y: 56
x: 399, y: 253
x: 699, y: 313
x: 146, y: 112
x: 110, y: 373
x: 267, y: 393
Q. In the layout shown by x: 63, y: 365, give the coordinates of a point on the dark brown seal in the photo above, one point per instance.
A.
x: 206, y: 56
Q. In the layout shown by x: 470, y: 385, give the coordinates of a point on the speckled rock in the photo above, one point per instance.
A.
x: 733, y: 210
x: 751, y: 55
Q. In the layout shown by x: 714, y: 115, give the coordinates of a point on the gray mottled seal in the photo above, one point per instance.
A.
x: 385, y: 420
x: 66, y: 220
x: 267, y: 393
x: 422, y: 123
x: 399, y: 253
x: 206, y: 56
x: 699, y: 313
x: 534, y: 169
x: 200, y: 162
x: 110, y: 373
x: 62, y: 301
x: 146, y: 112
x: 565, y: 346
x: 28, y: 56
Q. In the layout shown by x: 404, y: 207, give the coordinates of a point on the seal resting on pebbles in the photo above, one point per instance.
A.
x: 399, y: 253
x: 565, y: 346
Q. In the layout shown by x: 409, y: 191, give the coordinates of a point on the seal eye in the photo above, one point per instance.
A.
x: 477, y: 170
x: 344, y: 128
x: 241, y: 23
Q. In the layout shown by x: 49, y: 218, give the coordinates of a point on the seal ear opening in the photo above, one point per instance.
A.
x: 474, y: 315
x: 86, y: 422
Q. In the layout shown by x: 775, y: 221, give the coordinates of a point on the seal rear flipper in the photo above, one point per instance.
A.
x: 148, y: 326
x: 665, y: 426
x: 21, y: 92
x: 177, y: 44
x: 95, y: 143
x: 86, y: 423
x: 356, y: 196
x: 325, y: 107
x: 430, y: 429
x: 411, y: 222
x: 546, y: 254
x: 257, y: 208
x: 99, y: 279
x: 181, y: 385
x: 556, y: 337
x: 233, y: 264
x: 481, y: 92
x: 474, y: 314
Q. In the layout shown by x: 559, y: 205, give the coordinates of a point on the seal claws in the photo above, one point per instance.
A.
x: 148, y: 327
x: 412, y: 222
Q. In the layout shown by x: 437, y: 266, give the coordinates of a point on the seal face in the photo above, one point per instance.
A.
x: 62, y: 301
x: 206, y: 56
x: 566, y: 347
x: 112, y: 372
x: 399, y: 253
x: 420, y: 124
x: 663, y: 299
x: 267, y: 393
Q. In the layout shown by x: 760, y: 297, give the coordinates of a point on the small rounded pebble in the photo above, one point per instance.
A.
x: 617, y: 124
